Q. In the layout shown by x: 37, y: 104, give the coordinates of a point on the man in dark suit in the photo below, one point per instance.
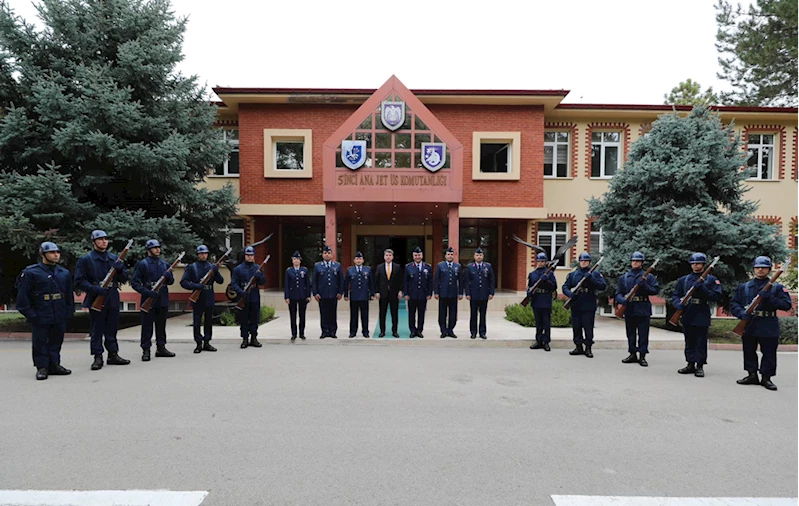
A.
x: 388, y: 290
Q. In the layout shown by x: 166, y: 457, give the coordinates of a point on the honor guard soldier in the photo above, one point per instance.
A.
x: 328, y: 288
x: 418, y: 289
x: 250, y: 315
x: 763, y: 327
x: 479, y: 287
x: 297, y: 292
x: 204, y: 307
x: 639, y: 309
x: 145, y: 275
x: 46, y: 299
x: 696, y: 314
x: 583, y: 304
x: 541, y: 300
x: 359, y: 290
x: 90, y: 271
x: 448, y: 289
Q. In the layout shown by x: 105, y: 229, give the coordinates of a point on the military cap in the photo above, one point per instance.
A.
x: 249, y: 250
x: 450, y: 250
x: 479, y: 250
x: 326, y: 248
x: 417, y: 249
x: 48, y: 246
x: 152, y: 243
x: 762, y: 261
x: 358, y: 254
x: 585, y: 256
x: 541, y: 257
x: 202, y: 248
x: 98, y: 234
x: 296, y: 254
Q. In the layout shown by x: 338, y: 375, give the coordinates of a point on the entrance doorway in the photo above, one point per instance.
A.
x: 372, y: 247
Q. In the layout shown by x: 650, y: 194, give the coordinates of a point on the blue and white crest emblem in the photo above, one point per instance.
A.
x: 353, y: 153
x: 392, y: 114
x: 434, y: 155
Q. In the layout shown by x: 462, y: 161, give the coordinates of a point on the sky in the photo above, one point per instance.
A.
x: 608, y: 52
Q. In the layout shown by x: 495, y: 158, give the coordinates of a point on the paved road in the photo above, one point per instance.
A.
x: 366, y: 425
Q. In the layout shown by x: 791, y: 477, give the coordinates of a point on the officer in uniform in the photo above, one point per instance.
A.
x: 696, y: 314
x: 639, y: 309
x: 46, y: 299
x: 448, y: 289
x: 763, y: 327
x: 583, y: 304
x: 359, y: 290
x: 479, y: 287
x: 89, y: 273
x: 297, y: 292
x: 205, y: 304
x: 328, y: 288
x: 418, y: 289
x: 541, y: 300
x: 145, y: 275
x: 250, y: 315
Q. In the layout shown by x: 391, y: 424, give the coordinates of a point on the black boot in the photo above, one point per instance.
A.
x: 700, y: 371
x: 751, y: 379
x: 546, y: 347
x: 58, y: 370
x: 254, y: 342
x: 115, y: 359
x: 161, y: 351
x: 643, y: 361
x: 578, y: 350
x: 41, y: 373
x: 207, y: 346
x: 244, y: 343
x: 688, y: 369
x: 588, y: 352
x: 98, y: 362
x: 631, y: 358
x: 199, y: 347
x: 766, y: 382
x: 145, y: 354
x: 537, y: 345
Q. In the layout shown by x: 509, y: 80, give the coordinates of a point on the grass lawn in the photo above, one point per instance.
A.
x: 15, y: 322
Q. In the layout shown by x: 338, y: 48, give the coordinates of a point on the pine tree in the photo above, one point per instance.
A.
x: 99, y: 130
x: 689, y: 92
x: 682, y: 191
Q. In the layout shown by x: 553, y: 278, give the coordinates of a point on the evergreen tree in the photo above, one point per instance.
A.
x: 682, y: 190
x: 99, y: 130
x: 690, y: 92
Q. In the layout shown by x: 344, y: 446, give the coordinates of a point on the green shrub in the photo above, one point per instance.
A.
x: 267, y: 313
x: 227, y: 319
x: 561, y: 317
x: 788, y: 329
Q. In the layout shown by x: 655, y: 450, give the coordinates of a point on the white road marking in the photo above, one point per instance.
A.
x: 101, y: 498
x: 596, y: 500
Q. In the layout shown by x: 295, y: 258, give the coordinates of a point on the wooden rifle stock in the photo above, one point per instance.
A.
x: 99, y: 301
x: 552, y: 266
x: 250, y: 284
x: 568, y: 303
x: 195, y: 295
x: 621, y: 308
x: 690, y: 293
x: 148, y: 302
x: 741, y: 327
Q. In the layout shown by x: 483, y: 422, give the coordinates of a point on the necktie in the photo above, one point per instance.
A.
x: 449, y: 265
x: 359, y: 270
x: 388, y: 271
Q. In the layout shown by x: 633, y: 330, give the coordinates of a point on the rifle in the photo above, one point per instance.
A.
x: 99, y: 302
x: 741, y: 327
x: 250, y: 284
x: 552, y: 264
x: 690, y: 293
x: 148, y: 302
x: 568, y: 302
x: 195, y: 295
x: 621, y: 307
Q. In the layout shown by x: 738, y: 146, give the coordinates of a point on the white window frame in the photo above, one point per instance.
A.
x: 229, y: 233
x: 602, y: 145
x: 601, y: 241
x: 129, y: 306
x: 554, y: 234
x: 299, y: 140
x: 556, y: 145
x: 760, y: 147
x: 234, y: 145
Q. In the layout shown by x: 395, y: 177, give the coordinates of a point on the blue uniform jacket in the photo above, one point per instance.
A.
x: 191, y: 281
x: 417, y: 282
x: 478, y: 281
x: 448, y: 283
x: 45, y: 294
x: 543, y: 292
x: 640, y: 306
x: 359, y: 286
x: 89, y: 273
x: 146, y: 274
x: 328, y: 282
x: 585, y: 299
x: 697, y: 311
x: 241, y: 276
x: 760, y: 326
x: 297, y: 284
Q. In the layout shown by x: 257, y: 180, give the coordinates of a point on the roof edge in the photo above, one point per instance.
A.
x: 669, y: 107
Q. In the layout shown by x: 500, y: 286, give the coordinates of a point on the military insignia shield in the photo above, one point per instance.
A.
x: 392, y: 114
x: 434, y: 155
x: 353, y: 154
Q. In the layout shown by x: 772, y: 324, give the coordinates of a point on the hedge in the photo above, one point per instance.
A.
x: 561, y: 317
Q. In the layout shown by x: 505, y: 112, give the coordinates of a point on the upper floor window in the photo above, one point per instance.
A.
x: 597, y: 244
x: 551, y: 236
x: 605, y: 153
x: 495, y: 157
x: 289, y: 155
x: 761, y: 151
x: 556, y: 154
x: 230, y: 167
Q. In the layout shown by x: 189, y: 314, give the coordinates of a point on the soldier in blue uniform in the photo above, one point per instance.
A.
x: 763, y: 327
x: 250, y: 315
x: 205, y: 304
x: 541, y: 300
x: 448, y: 289
x: 145, y: 275
x: 639, y: 309
x: 696, y: 314
x: 359, y: 290
x: 583, y: 304
x: 328, y: 288
x: 418, y: 289
x: 47, y: 301
x: 297, y: 292
x: 479, y: 287
x: 89, y: 273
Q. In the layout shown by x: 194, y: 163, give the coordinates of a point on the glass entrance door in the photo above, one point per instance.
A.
x: 372, y: 247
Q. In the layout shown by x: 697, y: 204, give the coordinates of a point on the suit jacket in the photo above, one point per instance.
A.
x: 383, y: 285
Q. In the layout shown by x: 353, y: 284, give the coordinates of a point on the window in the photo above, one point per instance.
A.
x: 129, y: 306
x: 482, y: 233
x: 605, y: 149
x: 597, y: 245
x: 289, y: 155
x: 495, y: 157
x: 230, y: 167
x: 551, y: 236
x: 761, y: 150
x: 234, y: 237
x: 658, y: 310
x: 556, y: 154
